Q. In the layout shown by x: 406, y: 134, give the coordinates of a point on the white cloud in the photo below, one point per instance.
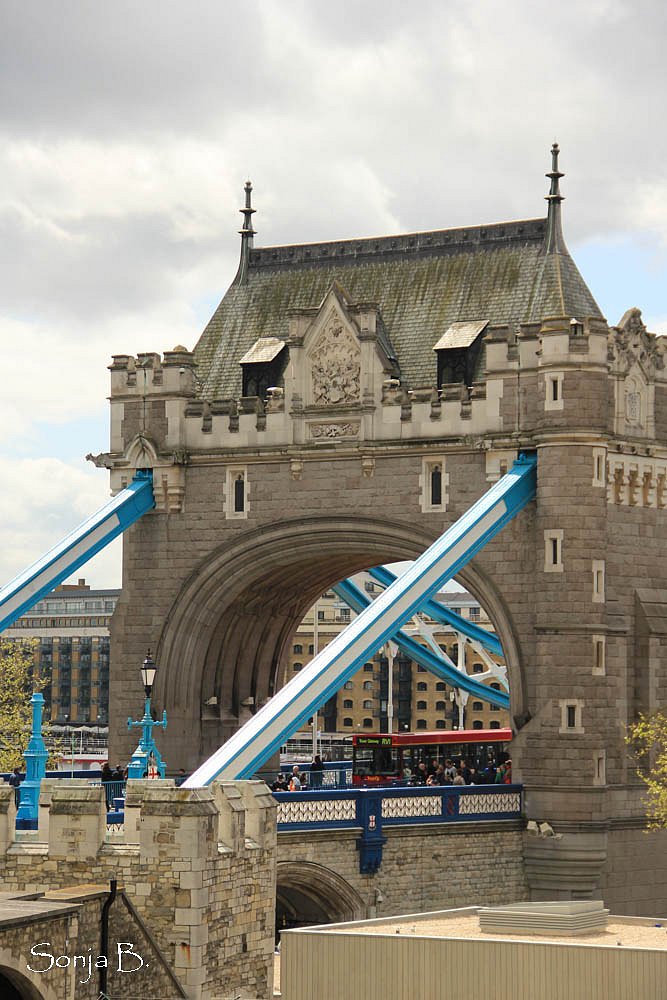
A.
x: 41, y: 501
x: 126, y: 141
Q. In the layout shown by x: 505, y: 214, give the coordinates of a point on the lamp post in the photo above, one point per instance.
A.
x: 147, y: 756
x: 36, y: 756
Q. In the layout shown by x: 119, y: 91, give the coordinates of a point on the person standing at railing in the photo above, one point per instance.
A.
x: 316, y: 772
x: 295, y: 780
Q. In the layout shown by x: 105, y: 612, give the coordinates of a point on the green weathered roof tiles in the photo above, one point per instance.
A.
x: 422, y: 283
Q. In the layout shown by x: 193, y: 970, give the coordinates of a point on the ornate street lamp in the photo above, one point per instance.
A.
x: 146, y: 760
x: 148, y: 672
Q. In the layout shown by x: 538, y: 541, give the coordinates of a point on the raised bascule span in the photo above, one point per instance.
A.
x: 75, y: 549
x: 279, y: 718
x: 441, y: 667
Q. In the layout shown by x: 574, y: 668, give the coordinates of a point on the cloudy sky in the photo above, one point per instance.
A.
x: 128, y: 129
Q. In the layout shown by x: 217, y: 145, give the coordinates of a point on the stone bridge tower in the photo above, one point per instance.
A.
x: 345, y: 404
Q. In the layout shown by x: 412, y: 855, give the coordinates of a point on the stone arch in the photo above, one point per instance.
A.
x: 22, y: 985
x: 222, y: 642
x: 308, y: 893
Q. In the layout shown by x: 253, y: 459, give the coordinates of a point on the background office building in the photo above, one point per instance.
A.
x: 70, y: 629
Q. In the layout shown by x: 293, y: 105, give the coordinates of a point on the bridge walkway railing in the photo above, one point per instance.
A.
x: 369, y: 810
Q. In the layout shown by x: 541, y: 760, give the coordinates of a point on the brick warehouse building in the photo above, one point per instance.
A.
x: 347, y: 402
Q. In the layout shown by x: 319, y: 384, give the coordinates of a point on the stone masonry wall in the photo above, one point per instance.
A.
x: 198, y: 866
x: 423, y: 867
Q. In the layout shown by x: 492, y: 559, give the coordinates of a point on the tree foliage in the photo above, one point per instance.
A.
x: 16, y: 687
x: 648, y: 740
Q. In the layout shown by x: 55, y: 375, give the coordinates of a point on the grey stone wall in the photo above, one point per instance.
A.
x: 198, y: 866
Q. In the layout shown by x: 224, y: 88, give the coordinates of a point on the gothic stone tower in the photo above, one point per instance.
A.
x: 300, y: 442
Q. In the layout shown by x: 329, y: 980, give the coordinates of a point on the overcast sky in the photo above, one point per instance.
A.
x: 128, y: 129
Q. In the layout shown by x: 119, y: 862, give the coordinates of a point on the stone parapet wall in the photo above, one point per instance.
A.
x: 198, y: 866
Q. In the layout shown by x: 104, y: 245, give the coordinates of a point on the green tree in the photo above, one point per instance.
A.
x: 17, y: 683
x: 648, y: 739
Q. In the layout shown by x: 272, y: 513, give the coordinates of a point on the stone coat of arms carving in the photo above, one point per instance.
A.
x: 335, y: 366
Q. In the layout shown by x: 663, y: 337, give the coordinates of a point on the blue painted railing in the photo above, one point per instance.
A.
x: 371, y: 809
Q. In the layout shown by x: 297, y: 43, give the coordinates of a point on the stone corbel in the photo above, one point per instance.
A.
x: 368, y: 466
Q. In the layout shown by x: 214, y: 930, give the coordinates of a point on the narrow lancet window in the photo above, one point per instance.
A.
x: 239, y: 494
x: 436, y: 486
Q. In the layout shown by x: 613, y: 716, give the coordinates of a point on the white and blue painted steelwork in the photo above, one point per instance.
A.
x: 263, y: 734
x: 76, y: 548
x: 438, y: 665
x: 439, y: 613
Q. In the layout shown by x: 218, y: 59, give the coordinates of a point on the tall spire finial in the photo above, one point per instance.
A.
x: 247, y: 233
x: 247, y: 212
x: 553, y: 240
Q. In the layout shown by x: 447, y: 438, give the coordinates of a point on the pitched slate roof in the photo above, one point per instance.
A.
x: 421, y: 282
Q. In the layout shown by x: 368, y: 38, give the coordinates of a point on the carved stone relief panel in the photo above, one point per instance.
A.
x: 335, y: 365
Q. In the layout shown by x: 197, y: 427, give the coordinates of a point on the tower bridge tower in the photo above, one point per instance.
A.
x: 296, y: 445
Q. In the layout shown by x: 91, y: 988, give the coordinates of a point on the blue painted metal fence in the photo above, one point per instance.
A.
x: 370, y: 810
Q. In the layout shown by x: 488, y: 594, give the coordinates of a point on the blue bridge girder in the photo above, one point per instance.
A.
x: 75, y: 549
x: 439, y: 613
x: 358, y: 601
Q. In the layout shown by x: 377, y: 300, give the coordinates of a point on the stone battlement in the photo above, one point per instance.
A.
x: 198, y: 865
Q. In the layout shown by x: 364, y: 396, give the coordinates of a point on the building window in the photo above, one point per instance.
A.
x: 554, y: 391
x: 347, y: 722
x: 421, y: 723
x: 421, y: 706
x: 348, y: 703
x: 439, y: 723
x: 474, y: 614
x: 311, y: 649
x: 477, y: 706
x: 441, y: 706
x: 368, y: 667
x: 420, y: 669
x: 368, y: 723
x: 422, y: 686
x: 599, y: 768
x: 367, y: 703
x: 348, y: 685
x: 599, y: 467
x: 344, y: 614
x: 478, y: 724
x: 368, y: 685
x: 599, y: 658
x: 441, y: 686
x: 236, y: 493
x: 433, y: 482
x: 297, y: 667
x: 571, y: 710
x: 478, y: 668
x: 320, y: 616
x: 598, y: 581
x: 553, y: 551
x: 298, y: 648
x: 494, y: 724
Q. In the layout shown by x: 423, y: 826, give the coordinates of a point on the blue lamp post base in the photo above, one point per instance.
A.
x: 146, y: 757
x: 36, y: 757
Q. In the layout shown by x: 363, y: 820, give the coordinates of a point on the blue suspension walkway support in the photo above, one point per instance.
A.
x: 76, y: 548
x: 439, y: 613
x: 263, y: 734
x: 437, y: 665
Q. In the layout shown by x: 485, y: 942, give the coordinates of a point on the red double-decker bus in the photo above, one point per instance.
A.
x: 386, y: 758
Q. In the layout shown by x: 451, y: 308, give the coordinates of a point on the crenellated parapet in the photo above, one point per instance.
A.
x: 198, y: 865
